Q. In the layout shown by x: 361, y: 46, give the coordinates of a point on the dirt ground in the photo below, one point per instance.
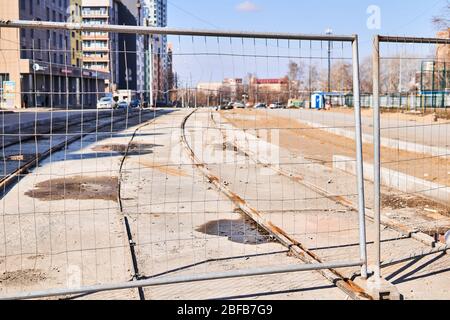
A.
x: 76, y: 188
x: 430, y: 116
x: 321, y: 146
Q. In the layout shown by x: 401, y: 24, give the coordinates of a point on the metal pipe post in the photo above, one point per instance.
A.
x: 377, y: 154
x: 180, y: 279
x: 359, y: 157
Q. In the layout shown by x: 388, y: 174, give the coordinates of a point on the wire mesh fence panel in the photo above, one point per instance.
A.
x: 168, y: 158
x: 412, y: 93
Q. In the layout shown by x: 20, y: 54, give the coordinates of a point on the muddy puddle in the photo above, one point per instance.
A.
x: 239, y: 231
x: 21, y: 277
x: 134, y: 148
x: 76, y: 188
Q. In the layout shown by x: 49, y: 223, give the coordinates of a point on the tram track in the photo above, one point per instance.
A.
x: 10, y: 179
x: 297, y: 249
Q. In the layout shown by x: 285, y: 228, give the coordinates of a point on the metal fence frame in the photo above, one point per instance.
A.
x: 353, y: 39
x: 377, y: 40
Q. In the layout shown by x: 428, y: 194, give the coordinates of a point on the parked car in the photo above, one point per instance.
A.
x: 260, y: 106
x: 228, y: 106
x: 106, y: 103
x: 123, y: 105
x: 276, y: 105
x: 239, y: 105
x: 135, y: 103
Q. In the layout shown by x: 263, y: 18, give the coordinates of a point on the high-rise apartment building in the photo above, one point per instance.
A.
x: 38, y: 65
x: 153, y: 78
x: 100, y: 49
x: 76, y: 55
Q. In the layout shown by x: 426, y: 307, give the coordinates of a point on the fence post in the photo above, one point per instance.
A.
x: 377, y: 159
x: 359, y: 157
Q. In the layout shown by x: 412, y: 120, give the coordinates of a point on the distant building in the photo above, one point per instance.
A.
x: 172, y: 84
x: 153, y: 13
x: 39, y: 66
x: 75, y: 36
x: 212, y: 88
x: 273, y: 85
x: 100, y: 49
x: 443, y: 50
x: 128, y: 46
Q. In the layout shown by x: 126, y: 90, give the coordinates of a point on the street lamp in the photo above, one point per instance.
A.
x: 329, y: 32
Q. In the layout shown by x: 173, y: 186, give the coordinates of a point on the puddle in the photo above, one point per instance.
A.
x: 135, y: 148
x: 171, y: 170
x: 76, y: 188
x: 22, y: 277
x: 239, y: 231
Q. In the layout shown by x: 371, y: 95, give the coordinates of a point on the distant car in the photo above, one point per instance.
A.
x: 276, y: 105
x: 239, y: 105
x: 228, y: 106
x: 123, y: 105
x: 135, y: 103
x: 106, y: 103
x: 260, y: 106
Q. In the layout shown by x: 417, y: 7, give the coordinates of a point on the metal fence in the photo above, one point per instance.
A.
x: 410, y: 168
x: 210, y: 185
x: 154, y: 158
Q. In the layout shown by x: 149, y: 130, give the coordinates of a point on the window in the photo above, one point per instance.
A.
x: 3, y: 77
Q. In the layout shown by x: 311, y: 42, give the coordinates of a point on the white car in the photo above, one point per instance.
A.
x: 106, y: 103
x: 276, y: 105
x: 239, y: 105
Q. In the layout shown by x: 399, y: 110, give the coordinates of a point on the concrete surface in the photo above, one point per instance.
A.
x: 183, y: 226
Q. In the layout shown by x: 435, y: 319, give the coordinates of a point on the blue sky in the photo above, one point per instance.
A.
x: 398, y: 17
x: 402, y: 17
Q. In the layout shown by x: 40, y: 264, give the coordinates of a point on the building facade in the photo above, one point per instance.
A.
x: 37, y: 65
x: 153, y: 78
x: 100, y: 49
x: 128, y: 53
x: 74, y: 12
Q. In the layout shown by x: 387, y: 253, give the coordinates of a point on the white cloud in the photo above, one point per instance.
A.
x: 247, y: 6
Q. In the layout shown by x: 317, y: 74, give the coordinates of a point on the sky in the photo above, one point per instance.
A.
x: 396, y: 17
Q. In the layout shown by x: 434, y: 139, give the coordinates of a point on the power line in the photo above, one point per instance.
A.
x: 193, y: 15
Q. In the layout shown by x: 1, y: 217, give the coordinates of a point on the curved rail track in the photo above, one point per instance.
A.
x: 296, y: 248
x: 406, y: 231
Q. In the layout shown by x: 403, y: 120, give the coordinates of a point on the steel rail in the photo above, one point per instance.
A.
x: 30, y: 136
x: 11, y: 178
x: 418, y: 236
x: 296, y: 248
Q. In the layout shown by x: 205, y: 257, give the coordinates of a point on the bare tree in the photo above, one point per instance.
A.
x: 312, y: 82
x: 366, y: 75
x: 294, y: 76
x: 341, y: 77
x: 399, y: 74
x: 442, y: 21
